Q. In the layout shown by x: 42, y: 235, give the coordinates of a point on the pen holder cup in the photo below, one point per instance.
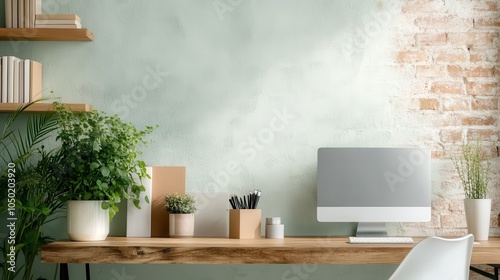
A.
x: 244, y: 223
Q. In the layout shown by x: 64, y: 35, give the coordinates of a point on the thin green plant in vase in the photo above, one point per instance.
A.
x: 474, y: 172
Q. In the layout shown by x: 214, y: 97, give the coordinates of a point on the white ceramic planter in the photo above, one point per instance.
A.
x: 181, y: 225
x: 477, y: 214
x: 87, y: 221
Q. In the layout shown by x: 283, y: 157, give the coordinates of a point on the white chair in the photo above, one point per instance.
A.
x: 437, y: 258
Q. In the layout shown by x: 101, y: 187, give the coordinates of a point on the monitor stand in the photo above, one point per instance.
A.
x: 366, y: 229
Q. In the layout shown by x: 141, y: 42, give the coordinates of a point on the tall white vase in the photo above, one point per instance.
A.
x: 87, y: 221
x: 477, y: 214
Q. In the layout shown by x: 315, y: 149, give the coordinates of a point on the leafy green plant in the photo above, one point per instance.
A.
x: 99, y: 158
x: 27, y: 181
x: 180, y: 203
x: 473, y: 173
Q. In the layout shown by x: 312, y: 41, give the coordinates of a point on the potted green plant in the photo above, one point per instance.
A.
x: 98, y: 167
x: 29, y: 190
x: 474, y: 172
x: 181, y: 209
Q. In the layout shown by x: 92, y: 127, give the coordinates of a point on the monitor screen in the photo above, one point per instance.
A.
x: 374, y: 185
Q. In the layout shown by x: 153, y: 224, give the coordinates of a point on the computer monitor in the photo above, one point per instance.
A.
x: 373, y: 186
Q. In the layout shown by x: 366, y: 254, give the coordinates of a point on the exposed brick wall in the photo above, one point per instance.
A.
x: 452, y: 67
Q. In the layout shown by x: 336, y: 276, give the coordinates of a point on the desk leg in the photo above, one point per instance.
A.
x: 482, y: 272
x: 87, y: 271
x: 63, y: 271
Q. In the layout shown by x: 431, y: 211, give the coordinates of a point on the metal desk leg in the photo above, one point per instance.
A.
x: 63, y: 271
x: 87, y: 271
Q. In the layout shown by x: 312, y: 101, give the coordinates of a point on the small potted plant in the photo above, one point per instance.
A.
x: 473, y: 170
x: 181, y: 209
x: 98, y: 167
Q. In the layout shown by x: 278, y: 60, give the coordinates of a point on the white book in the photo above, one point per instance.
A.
x: 57, y: 21
x: 10, y: 79
x: 15, y: 22
x: 4, y: 80
x: 16, y: 94
x: 139, y: 220
x: 1, y: 98
x: 21, y: 81
x: 74, y: 26
x: 211, y: 218
x: 26, y: 17
x: 8, y: 13
x: 57, y: 16
x: 20, y: 13
x: 26, y: 81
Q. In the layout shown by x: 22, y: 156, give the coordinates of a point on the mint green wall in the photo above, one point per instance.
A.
x: 261, y: 84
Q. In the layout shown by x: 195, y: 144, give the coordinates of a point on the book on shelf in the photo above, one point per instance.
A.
x: 77, y: 26
x: 57, y: 21
x: 3, y: 93
x: 15, y: 21
x: 21, y: 13
x: 21, y: 80
x: 57, y: 17
x: 8, y: 13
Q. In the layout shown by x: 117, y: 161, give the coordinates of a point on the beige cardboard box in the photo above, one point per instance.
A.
x: 244, y: 223
x: 164, y: 180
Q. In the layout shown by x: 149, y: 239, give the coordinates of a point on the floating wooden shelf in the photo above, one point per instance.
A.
x: 42, y: 107
x: 45, y: 34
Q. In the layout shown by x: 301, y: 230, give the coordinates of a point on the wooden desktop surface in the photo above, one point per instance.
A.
x: 291, y: 250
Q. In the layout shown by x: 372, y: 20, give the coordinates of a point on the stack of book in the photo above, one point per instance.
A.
x: 21, y: 80
x: 57, y: 21
x: 21, y: 13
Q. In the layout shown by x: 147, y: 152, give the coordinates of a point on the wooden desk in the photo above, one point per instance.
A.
x: 291, y: 250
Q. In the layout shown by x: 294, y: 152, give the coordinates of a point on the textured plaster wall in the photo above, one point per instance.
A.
x: 263, y: 84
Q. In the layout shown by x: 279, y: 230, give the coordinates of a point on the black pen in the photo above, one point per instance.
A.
x: 257, y: 198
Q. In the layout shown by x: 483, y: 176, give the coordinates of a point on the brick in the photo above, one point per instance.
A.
x: 412, y: 56
x: 450, y: 232
x: 430, y: 39
x: 483, y: 134
x: 457, y: 205
x: 423, y: 6
x: 477, y: 120
x: 437, y: 154
x: 487, y: 23
x: 485, y: 6
x: 455, y: 104
x: 484, y: 55
x: 478, y: 71
x: 450, y: 55
x: 447, y: 87
x: 482, y: 88
x: 451, y: 135
x: 471, y: 38
x: 430, y: 70
x: 485, y: 104
x: 428, y: 104
x: 448, y: 23
x: 453, y: 221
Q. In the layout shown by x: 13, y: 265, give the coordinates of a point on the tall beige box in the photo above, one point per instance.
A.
x: 164, y: 180
x: 244, y: 223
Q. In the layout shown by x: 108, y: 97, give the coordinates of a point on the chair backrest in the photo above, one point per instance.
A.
x: 437, y: 258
